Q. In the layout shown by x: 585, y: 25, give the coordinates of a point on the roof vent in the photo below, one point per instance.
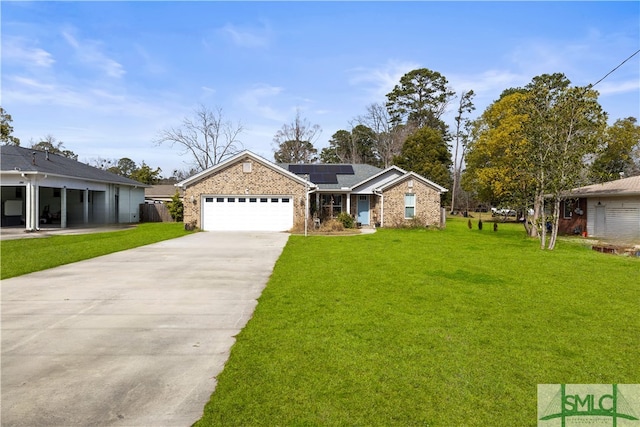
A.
x: 33, y: 158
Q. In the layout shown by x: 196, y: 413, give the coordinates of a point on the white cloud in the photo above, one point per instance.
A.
x: 90, y: 53
x: 611, y: 88
x: 490, y: 81
x: 380, y: 81
x: 208, y: 90
x: 252, y: 37
x: 47, y: 94
x: 259, y: 99
x: 152, y: 65
x: 21, y: 51
x: 540, y: 57
x: 18, y: 89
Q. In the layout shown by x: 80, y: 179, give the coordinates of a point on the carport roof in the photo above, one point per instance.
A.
x: 16, y: 159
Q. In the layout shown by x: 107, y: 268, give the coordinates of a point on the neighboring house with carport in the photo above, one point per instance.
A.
x: 39, y: 188
x: 610, y: 210
x: 248, y: 192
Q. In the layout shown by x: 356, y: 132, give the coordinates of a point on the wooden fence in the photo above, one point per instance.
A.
x: 155, y: 212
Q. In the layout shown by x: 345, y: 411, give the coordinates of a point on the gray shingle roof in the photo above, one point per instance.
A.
x: 14, y: 158
x: 163, y: 190
x: 361, y: 173
x: 620, y: 187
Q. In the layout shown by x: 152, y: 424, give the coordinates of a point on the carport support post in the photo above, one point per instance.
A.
x: 63, y: 207
x: 36, y: 203
x: 85, y: 206
x: 306, y: 206
x: 29, y: 208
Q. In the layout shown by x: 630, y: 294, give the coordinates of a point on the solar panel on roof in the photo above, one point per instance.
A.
x: 345, y: 170
x: 321, y: 168
x: 323, y: 178
x: 322, y: 173
x: 296, y: 168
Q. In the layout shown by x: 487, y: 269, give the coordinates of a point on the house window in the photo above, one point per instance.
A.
x: 285, y: 200
x: 208, y: 200
x: 231, y: 200
x: 568, y: 207
x: 253, y: 200
x: 242, y: 199
x: 56, y: 192
x: 332, y: 204
x: 263, y: 200
x: 409, y: 205
x: 274, y: 200
x: 219, y: 199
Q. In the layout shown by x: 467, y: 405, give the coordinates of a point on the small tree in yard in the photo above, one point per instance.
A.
x: 176, y: 208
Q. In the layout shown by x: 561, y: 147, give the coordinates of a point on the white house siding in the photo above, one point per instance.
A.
x: 43, y: 189
x: 130, y: 200
x: 377, y: 182
x: 621, y: 217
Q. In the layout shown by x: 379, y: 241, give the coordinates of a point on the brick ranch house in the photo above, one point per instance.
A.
x: 248, y: 192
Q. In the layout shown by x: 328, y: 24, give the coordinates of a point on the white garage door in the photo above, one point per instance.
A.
x: 623, y: 223
x: 247, y: 213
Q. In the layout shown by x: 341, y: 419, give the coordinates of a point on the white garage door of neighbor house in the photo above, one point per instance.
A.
x: 247, y: 213
x: 623, y: 222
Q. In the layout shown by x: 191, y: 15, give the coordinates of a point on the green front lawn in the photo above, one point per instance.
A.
x: 23, y: 256
x: 427, y: 327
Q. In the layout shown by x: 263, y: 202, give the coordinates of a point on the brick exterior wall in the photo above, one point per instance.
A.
x: 231, y: 180
x: 575, y: 221
x: 427, y: 209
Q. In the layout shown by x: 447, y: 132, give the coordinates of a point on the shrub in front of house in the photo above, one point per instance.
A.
x: 346, y: 220
x: 331, y: 225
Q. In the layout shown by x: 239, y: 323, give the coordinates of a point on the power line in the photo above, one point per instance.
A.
x: 619, y: 65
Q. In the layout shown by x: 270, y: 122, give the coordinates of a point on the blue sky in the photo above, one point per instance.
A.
x: 106, y: 77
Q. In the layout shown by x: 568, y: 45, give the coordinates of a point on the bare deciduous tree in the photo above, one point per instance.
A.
x: 294, y: 141
x: 207, y: 137
x: 388, y: 139
x: 461, y: 135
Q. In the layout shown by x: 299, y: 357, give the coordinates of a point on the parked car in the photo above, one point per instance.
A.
x: 503, y: 212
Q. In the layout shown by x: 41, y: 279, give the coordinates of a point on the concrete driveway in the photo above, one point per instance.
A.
x: 134, y: 338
